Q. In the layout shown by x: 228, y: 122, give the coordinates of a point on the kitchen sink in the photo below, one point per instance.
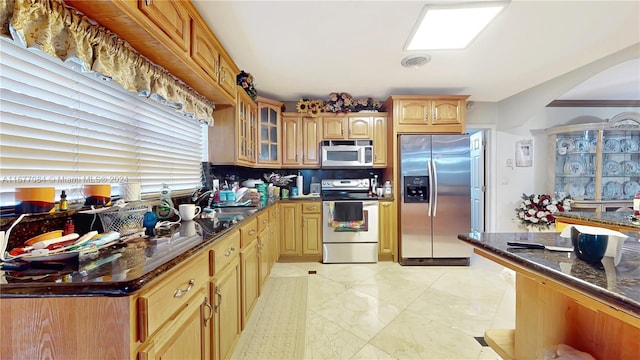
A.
x: 235, y: 211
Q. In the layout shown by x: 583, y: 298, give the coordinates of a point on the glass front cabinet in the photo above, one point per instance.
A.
x: 597, y: 164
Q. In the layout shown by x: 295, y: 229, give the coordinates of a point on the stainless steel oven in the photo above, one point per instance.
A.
x: 350, y: 222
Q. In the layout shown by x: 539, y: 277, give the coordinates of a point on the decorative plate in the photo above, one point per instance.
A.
x: 612, y: 190
x: 629, y: 145
x: 629, y: 167
x: 564, y: 143
x: 573, y: 168
x: 581, y: 145
x: 611, y: 146
x: 630, y: 188
x: 574, y: 189
x: 591, y: 190
x: 612, y: 168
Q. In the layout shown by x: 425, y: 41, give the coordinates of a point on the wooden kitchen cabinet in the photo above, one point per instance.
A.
x: 264, y: 247
x: 274, y: 237
x: 236, y: 126
x: 301, y: 230
x: 250, y: 282
x: 431, y: 114
x: 343, y: 127
x: 388, y: 230
x: 269, y: 114
x: 379, y: 123
x: 226, y: 295
x: 173, y: 35
x: 301, y: 138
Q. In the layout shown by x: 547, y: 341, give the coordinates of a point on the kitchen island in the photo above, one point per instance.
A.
x: 614, y: 220
x: 563, y: 300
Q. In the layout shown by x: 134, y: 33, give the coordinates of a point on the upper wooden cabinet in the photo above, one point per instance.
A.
x: 173, y: 35
x: 346, y: 127
x: 269, y: 139
x: 172, y: 17
x: 236, y: 126
x: 301, y: 138
x: 433, y: 114
x: 379, y: 140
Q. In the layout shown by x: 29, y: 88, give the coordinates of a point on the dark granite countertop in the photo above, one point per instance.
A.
x: 619, y: 285
x: 615, y: 218
x: 121, y: 269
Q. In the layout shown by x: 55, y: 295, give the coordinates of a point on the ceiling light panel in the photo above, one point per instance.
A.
x: 452, y: 27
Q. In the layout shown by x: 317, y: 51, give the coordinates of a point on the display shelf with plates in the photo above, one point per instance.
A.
x: 598, y: 164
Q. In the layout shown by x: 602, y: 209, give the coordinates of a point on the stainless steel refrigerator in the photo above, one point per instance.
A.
x: 435, y: 206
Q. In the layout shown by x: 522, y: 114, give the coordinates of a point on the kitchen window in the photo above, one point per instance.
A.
x: 63, y: 127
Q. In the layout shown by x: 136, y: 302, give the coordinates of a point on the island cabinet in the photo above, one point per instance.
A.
x: 597, y: 164
x: 388, y: 230
x: 249, y: 268
x: 301, y: 230
x: 427, y: 114
x: 174, y: 317
x: 225, y: 290
x: 269, y: 138
x: 173, y: 35
x: 301, y: 136
x: 236, y: 126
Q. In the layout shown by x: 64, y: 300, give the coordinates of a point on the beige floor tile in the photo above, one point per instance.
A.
x: 322, y: 289
x: 370, y: 352
x: 326, y: 340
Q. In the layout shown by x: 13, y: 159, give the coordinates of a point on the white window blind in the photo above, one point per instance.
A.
x: 64, y: 128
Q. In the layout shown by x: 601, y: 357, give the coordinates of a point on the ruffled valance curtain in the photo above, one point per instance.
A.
x: 63, y: 32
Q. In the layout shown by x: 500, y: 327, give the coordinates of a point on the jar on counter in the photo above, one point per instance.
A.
x: 388, y: 191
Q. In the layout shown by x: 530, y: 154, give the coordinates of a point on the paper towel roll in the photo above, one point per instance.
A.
x: 300, y: 184
x: 131, y: 191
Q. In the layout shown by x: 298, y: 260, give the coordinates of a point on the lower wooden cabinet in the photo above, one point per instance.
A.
x: 250, y: 273
x: 300, y: 230
x: 387, y: 230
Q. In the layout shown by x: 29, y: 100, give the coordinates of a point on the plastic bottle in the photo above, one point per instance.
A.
x: 165, y: 210
x: 69, y: 227
x: 387, y: 189
x: 149, y: 221
x: 64, y: 204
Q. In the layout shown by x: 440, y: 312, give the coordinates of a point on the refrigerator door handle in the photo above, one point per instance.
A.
x: 430, y: 173
x: 434, y: 182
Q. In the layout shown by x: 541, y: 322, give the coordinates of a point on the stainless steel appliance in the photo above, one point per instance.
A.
x: 352, y: 239
x: 347, y: 154
x: 435, y: 199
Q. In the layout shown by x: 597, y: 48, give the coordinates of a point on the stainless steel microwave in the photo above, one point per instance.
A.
x: 347, y: 153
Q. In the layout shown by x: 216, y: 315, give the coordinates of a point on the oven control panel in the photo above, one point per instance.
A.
x: 345, y: 184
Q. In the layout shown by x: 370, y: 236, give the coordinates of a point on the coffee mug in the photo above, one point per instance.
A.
x: 189, y: 228
x: 189, y: 211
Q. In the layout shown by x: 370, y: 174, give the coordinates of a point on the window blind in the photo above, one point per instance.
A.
x: 65, y: 128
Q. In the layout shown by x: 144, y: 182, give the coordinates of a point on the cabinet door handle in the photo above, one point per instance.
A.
x: 385, y: 204
x: 251, y: 232
x: 207, y: 304
x: 219, y: 295
x: 148, y: 2
x: 181, y: 292
x: 228, y: 252
x: 311, y: 208
x: 265, y: 221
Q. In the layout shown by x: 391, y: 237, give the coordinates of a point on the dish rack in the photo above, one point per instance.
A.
x: 125, y: 221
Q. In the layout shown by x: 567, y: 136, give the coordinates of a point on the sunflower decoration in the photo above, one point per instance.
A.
x: 315, y: 107
x: 303, y: 105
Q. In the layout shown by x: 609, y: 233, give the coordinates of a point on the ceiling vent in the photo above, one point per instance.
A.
x: 415, y: 61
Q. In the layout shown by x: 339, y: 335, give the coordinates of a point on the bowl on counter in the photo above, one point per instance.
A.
x: 589, y: 247
x: 97, y: 194
x: 34, y: 199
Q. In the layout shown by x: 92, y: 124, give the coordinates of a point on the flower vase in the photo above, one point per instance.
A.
x: 551, y: 228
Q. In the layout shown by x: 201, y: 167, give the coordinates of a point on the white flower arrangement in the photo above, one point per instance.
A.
x: 538, y: 210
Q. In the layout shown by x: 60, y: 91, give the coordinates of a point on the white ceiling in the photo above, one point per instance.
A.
x: 309, y: 49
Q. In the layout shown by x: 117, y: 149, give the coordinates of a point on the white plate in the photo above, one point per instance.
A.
x: 591, y: 189
x: 573, y: 168
x: 611, y: 146
x: 630, y: 188
x: 629, y: 145
x: 629, y: 167
x: 574, y: 189
x: 564, y: 143
x: 581, y: 145
x: 52, y: 257
x: 612, y: 168
x: 612, y: 190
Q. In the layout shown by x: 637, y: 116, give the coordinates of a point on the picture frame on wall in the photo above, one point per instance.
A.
x: 524, y: 153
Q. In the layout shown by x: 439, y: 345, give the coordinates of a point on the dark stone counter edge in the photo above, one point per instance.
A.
x: 120, y: 288
x: 595, y: 291
x: 567, y: 217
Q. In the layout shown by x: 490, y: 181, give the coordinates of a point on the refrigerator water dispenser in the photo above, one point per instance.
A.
x: 416, y: 189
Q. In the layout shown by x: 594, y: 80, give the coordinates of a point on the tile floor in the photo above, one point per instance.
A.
x: 388, y: 311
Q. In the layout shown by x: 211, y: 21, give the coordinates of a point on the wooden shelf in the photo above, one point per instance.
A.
x: 501, y: 341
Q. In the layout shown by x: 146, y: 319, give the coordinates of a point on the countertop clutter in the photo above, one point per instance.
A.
x: 120, y: 269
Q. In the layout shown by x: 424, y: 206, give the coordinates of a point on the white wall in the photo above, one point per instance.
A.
x: 525, y: 116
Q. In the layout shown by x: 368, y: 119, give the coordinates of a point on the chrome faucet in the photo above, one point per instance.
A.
x: 198, y: 200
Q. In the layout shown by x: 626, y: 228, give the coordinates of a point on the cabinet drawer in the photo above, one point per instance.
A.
x: 226, y: 250
x: 166, y: 298
x: 248, y: 232
x: 311, y: 207
x: 263, y: 221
